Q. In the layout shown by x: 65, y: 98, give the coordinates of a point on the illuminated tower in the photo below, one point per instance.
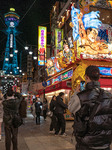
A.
x: 10, y: 60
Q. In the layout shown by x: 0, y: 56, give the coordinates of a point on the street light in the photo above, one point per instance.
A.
x: 20, y: 70
x: 30, y: 52
x: 23, y: 74
x: 35, y: 57
x: 17, y: 67
x: 26, y: 47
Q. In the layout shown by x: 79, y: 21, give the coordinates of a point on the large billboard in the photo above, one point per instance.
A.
x: 42, y: 44
x: 90, y: 36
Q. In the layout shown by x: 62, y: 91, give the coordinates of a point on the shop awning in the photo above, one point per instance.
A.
x: 58, y: 86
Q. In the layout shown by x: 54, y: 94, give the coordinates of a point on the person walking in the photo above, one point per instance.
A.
x: 38, y: 109
x: 10, y: 108
x: 92, y: 110
x: 60, y: 109
x: 23, y: 109
x: 45, y: 108
x: 1, y: 114
x: 53, y: 118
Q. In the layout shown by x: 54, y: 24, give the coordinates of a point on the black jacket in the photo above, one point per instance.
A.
x: 99, y: 131
x: 53, y: 106
x: 38, y: 107
x: 10, y: 107
x: 60, y: 105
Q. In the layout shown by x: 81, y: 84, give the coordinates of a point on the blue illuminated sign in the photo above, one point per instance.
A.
x: 105, y: 71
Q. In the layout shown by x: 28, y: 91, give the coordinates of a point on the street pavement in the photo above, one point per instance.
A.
x: 37, y: 137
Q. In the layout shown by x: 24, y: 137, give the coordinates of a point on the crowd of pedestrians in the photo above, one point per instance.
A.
x: 91, y: 109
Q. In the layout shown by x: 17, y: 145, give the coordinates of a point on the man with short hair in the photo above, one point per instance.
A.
x: 11, y: 107
x: 60, y: 109
x: 93, y: 114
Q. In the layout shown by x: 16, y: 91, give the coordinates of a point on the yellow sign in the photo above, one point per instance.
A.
x: 42, y: 44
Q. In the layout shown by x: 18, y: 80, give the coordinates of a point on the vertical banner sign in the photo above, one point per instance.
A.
x: 58, y: 40
x: 42, y: 42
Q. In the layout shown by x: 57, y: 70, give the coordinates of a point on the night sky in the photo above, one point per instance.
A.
x: 39, y: 14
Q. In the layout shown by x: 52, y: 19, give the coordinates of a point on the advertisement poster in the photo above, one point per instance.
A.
x: 105, y: 71
x: 42, y: 44
x: 92, y: 37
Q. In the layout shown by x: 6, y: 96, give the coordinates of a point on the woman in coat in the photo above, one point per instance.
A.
x: 1, y: 113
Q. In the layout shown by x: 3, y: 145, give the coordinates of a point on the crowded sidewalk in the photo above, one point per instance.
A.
x: 33, y: 137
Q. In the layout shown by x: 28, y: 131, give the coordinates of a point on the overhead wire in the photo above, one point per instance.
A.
x: 19, y: 42
x: 28, y: 10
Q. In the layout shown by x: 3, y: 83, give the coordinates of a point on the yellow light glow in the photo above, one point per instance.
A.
x: 12, y: 9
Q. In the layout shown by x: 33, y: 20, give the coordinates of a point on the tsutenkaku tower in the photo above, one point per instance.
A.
x: 10, y: 65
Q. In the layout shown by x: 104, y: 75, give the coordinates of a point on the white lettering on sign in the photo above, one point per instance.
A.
x: 11, y: 40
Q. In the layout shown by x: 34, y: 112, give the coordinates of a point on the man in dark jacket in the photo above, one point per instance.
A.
x: 38, y: 109
x: 95, y: 113
x: 10, y: 107
x: 60, y: 109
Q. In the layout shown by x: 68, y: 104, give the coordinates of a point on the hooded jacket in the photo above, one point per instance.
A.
x: 99, y: 131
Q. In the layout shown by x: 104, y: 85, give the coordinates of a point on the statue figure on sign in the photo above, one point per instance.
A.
x: 85, y: 29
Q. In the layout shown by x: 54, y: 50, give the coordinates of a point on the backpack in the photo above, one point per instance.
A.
x: 80, y: 126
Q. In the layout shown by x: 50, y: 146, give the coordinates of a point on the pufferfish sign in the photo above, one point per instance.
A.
x: 85, y: 35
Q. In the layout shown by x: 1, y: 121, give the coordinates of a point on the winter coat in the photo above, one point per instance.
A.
x: 38, y: 107
x: 23, y: 109
x: 10, y: 107
x: 60, y: 105
x: 99, y: 129
x: 53, y: 106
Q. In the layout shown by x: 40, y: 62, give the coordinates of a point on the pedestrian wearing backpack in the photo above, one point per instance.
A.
x: 10, y: 108
x: 92, y: 110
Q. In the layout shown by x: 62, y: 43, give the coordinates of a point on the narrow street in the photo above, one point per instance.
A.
x: 33, y: 137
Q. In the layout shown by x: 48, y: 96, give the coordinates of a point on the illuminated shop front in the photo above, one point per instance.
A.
x: 59, y: 83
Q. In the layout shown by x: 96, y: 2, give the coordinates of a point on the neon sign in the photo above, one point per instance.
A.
x: 58, y: 40
x: 62, y: 77
x: 42, y: 40
x: 105, y: 71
